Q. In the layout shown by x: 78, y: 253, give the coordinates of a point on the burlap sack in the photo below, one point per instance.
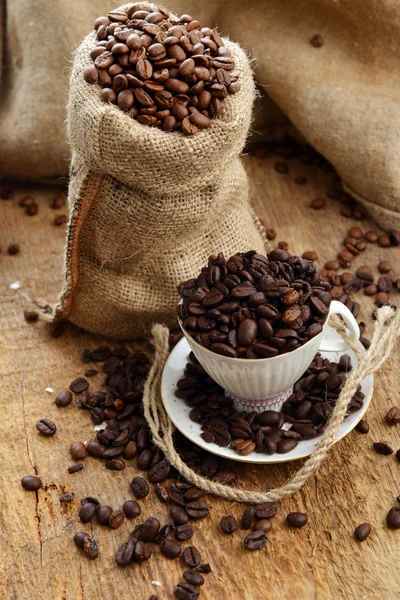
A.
x: 147, y: 207
x: 343, y: 97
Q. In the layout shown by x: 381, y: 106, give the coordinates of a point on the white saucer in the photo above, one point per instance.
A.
x: 178, y: 411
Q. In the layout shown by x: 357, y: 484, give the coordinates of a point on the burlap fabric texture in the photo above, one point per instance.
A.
x: 148, y: 207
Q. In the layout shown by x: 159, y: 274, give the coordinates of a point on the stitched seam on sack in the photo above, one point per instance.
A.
x: 88, y: 200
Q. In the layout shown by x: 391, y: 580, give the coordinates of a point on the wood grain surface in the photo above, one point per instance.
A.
x: 38, y: 557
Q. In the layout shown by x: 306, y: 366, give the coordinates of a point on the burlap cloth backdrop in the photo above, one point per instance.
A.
x: 344, y: 97
x: 385, y: 334
x: 147, y: 208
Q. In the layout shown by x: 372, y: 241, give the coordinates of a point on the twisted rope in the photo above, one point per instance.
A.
x: 386, y: 331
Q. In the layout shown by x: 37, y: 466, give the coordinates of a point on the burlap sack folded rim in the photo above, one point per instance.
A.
x: 131, y: 152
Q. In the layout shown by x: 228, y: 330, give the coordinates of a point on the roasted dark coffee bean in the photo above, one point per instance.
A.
x: 362, y: 532
x: 193, y: 577
x: 79, y: 385
x: 63, y: 398
x: 131, y: 509
x: 170, y: 549
x: 286, y: 446
x: 159, y: 472
x: 46, y: 427
x: 144, y: 460
x: 78, y: 451
x: 247, y: 518
x: 66, y: 498
x: 95, y: 449
x: 87, y: 511
x: 265, y: 510
x: 178, y: 515
x: 191, y: 556
x: 204, y: 568
x: 255, y: 540
x: 228, y: 524
x: 31, y: 483
x: 103, y: 514
x: 139, y: 487
x: 393, y: 416
x: 161, y: 493
x: 186, y: 591
x: 116, y: 519
x: 184, y: 532
x: 362, y: 426
x: 382, y: 448
x: 296, y: 519
x: 75, y: 468
x: 125, y: 552
x: 150, y: 529
x: 393, y: 518
x: 197, y: 510
x: 87, y: 543
x: 142, y: 551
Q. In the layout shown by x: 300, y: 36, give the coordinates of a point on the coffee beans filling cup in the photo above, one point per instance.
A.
x: 255, y: 323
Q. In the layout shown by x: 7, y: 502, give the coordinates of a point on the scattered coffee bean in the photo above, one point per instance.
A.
x: 79, y: 385
x: 393, y: 518
x: 362, y: 532
x: 310, y: 255
x: 197, y: 510
x: 116, y: 519
x: 31, y: 316
x: 184, y: 532
x: 264, y: 525
x: 191, y: 556
x: 13, y: 249
x: 31, y: 483
x: 78, y: 451
x: 63, y: 398
x: 384, y: 241
x: 228, y: 524
x: 382, y: 448
x: 150, y: 529
x: 66, y: 498
x: 161, y: 493
x: 270, y: 233
x: 281, y: 168
x: 186, y: 591
x: 87, y: 543
x: 139, y: 487
x: 205, y: 568
x: 178, y: 515
x: 297, y: 519
x: 115, y: 464
x: 393, y: 416
x: 91, y: 373
x: 60, y: 220
x: 362, y: 426
x: 170, y: 549
x: 384, y: 267
x: 75, y: 468
x: 193, y: 577
x: 398, y: 455
x: 131, y: 509
x: 46, y: 427
x: 125, y: 553
x: 317, y: 41
x: 318, y: 203
x: 103, y: 514
x: 255, y: 540
x: 371, y: 236
x: 87, y: 511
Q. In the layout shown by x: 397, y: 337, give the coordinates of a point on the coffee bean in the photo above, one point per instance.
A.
x: 382, y: 448
x: 205, y: 568
x: 393, y: 416
x: 87, y: 511
x: 245, y: 448
x: 286, y: 446
x: 159, y: 472
x: 228, y: 524
x: 296, y: 519
x: 114, y: 464
x: 103, y: 514
x: 178, y: 515
x: 95, y: 449
x: 31, y: 316
x: 255, y: 540
x: 247, y: 518
x: 79, y: 385
x: 384, y: 241
x: 131, y: 509
x: 139, y: 487
x: 362, y: 532
x: 318, y: 203
x: 362, y: 426
x: 130, y: 450
x: 183, y: 532
x: 144, y: 460
x: 271, y: 234
x: 161, y: 493
x: 281, y: 168
x: 87, y: 543
x: 170, y: 549
x: 186, y: 591
x: 371, y: 236
x: 66, y: 498
x: 142, y: 551
x: 31, y: 483
x: 197, y: 510
x: 193, y: 578
x: 191, y: 556
x: 116, y: 519
x: 393, y: 518
x: 125, y: 553
x: 264, y: 525
x: 78, y: 451
x: 75, y: 468
x: 46, y: 427
x: 317, y: 41
x: 13, y: 249
x: 265, y: 510
x: 384, y: 267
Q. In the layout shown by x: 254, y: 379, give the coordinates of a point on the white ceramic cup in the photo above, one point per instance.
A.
x: 265, y: 383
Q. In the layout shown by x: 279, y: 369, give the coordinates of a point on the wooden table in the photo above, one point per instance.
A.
x: 38, y: 557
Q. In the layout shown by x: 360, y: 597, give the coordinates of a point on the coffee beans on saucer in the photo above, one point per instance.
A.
x: 163, y: 71
x: 254, y: 306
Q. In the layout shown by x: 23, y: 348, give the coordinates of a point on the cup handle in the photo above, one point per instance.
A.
x: 337, y: 308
